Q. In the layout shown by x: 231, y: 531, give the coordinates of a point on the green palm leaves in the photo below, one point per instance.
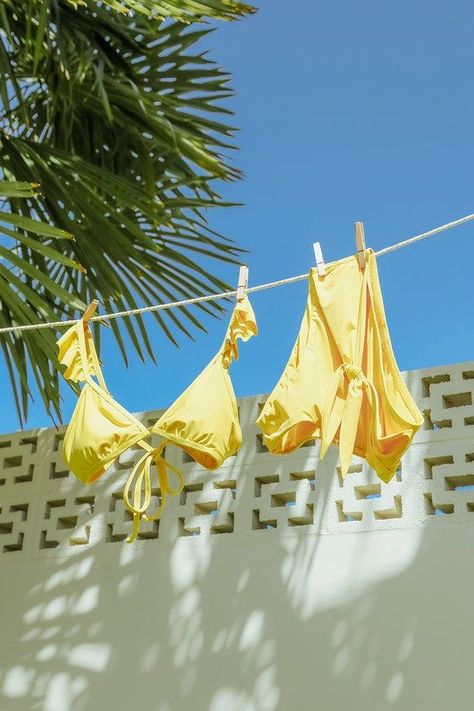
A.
x: 112, y: 136
x: 183, y: 10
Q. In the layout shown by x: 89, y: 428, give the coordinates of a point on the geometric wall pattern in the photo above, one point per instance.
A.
x: 45, y: 511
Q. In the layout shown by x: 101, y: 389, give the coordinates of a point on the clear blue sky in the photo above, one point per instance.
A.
x: 348, y: 111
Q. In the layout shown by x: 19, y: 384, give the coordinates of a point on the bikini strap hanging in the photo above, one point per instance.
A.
x: 342, y: 407
x: 242, y: 323
x: 82, y: 331
x: 76, y: 351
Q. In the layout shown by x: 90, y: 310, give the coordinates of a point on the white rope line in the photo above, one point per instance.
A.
x: 424, y: 235
x: 227, y: 294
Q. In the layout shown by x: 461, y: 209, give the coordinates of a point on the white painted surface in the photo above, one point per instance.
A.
x: 318, y: 612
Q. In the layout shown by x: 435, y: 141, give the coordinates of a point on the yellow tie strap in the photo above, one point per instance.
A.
x: 353, y: 371
x: 140, y: 480
x: 342, y: 411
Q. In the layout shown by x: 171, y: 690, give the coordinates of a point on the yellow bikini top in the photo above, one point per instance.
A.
x: 203, y: 421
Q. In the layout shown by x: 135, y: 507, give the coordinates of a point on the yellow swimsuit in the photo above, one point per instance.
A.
x: 203, y: 420
x: 342, y: 383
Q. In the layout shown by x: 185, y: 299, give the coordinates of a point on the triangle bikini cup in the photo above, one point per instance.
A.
x: 203, y: 420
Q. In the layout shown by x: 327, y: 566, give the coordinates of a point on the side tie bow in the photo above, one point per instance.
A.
x: 342, y: 411
x: 140, y: 479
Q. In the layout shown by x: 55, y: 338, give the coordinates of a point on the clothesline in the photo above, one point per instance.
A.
x: 227, y: 294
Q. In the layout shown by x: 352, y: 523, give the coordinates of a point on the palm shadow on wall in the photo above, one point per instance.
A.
x: 259, y: 621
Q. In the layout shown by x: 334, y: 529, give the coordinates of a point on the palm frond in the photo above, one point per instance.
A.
x: 182, y: 10
x: 119, y: 126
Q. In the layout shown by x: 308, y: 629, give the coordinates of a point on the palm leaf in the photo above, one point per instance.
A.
x: 28, y: 295
x: 183, y: 10
x: 122, y: 122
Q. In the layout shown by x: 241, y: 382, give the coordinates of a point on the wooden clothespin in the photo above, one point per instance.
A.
x: 360, y: 243
x: 90, y: 311
x: 318, y: 254
x: 243, y: 283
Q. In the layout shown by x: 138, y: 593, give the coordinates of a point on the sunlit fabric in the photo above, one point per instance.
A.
x: 203, y: 421
x: 342, y: 383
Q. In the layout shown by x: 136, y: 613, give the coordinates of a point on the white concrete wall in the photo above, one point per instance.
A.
x: 269, y: 585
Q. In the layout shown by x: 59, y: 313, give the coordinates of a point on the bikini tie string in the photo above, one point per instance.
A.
x: 341, y: 411
x: 139, y: 481
x: 352, y: 371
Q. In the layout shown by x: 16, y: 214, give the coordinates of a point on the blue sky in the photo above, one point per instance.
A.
x: 348, y: 111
